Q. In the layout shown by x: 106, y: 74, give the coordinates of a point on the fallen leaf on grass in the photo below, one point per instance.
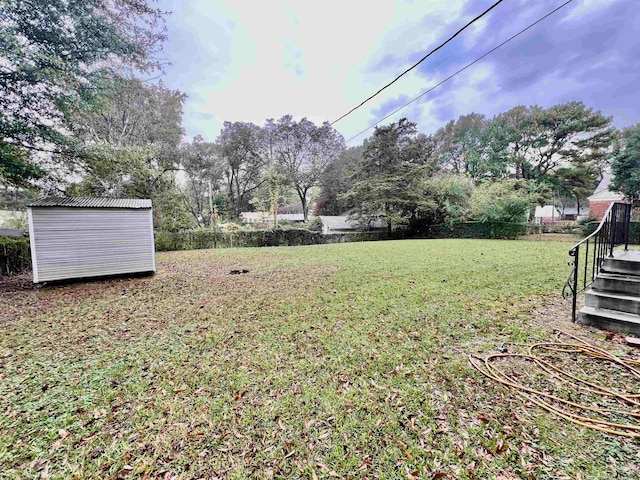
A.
x: 97, y: 452
x: 99, y: 413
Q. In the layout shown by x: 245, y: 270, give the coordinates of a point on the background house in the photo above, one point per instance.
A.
x: 337, y: 224
x: 571, y: 213
x: 267, y: 217
x: 342, y: 224
x: 546, y: 214
x: 602, y: 197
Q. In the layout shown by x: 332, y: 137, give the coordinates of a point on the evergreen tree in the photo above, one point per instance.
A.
x: 390, y: 181
x: 626, y: 165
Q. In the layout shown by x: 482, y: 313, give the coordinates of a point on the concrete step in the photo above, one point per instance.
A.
x: 610, y: 320
x: 619, y: 302
x: 614, y: 282
x: 626, y: 263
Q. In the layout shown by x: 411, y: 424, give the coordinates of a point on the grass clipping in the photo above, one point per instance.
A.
x: 568, y: 379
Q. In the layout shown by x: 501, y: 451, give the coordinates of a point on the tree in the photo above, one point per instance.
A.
x: 576, y: 180
x: 595, y: 150
x: 513, y: 134
x: 451, y: 195
x: 54, y: 55
x: 241, y: 148
x: 537, y: 140
x: 389, y: 183
x: 303, y: 151
x: 131, y: 147
x: 132, y: 112
x: 462, y: 147
x: 505, y: 200
x: 204, y: 168
x: 272, y: 194
x: 626, y: 165
x: 117, y: 171
x: 114, y: 171
x: 336, y: 180
x: 566, y: 128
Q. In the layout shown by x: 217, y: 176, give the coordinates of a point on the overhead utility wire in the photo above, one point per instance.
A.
x: 421, y: 60
x: 461, y: 70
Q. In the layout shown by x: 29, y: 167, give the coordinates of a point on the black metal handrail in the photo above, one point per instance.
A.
x: 613, y: 231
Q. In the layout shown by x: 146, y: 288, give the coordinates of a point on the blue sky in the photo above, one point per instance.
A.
x: 248, y: 60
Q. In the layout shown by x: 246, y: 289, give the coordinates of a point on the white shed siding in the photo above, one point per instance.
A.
x: 88, y: 242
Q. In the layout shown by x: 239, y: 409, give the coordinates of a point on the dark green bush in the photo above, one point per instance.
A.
x: 282, y: 236
x: 584, y: 221
x: 500, y: 230
x: 15, y: 255
x: 634, y: 231
x: 588, y: 228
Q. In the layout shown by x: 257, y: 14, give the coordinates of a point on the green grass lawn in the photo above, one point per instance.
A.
x: 345, y: 361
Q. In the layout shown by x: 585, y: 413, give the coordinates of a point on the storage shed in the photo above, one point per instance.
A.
x: 78, y: 237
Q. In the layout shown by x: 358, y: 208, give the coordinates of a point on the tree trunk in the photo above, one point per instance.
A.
x: 238, y: 201
x: 274, y: 208
x: 210, y: 204
x: 302, y: 193
x: 231, y: 192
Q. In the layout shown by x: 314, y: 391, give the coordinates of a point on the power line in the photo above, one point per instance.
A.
x: 462, y: 69
x: 421, y: 60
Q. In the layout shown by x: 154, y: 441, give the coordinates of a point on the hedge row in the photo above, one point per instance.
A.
x: 571, y: 229
x: 634, y: 231
x: 486, y: 230
x: 15, y: 255
x: 197, y: 239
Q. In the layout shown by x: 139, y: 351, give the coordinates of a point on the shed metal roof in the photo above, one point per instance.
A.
x: 92, y: 202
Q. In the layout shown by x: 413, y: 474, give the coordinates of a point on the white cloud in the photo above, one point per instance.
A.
x: 248, y: 61
x: 587, y: 7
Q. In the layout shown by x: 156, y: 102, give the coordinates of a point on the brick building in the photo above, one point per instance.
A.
x: 602, y: 197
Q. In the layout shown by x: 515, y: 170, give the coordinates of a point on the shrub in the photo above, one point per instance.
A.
x: 634, y: 233
x: 500, y: 230
x: 505, y: 201
x: 314, y: 224
x: 584, y: 221
x: 285, y: 236
x: 542, y: 228
x: 15, y: 255
x: 588, y: 228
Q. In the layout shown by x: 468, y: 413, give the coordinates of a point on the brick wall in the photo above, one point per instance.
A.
x: 598, y: 209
